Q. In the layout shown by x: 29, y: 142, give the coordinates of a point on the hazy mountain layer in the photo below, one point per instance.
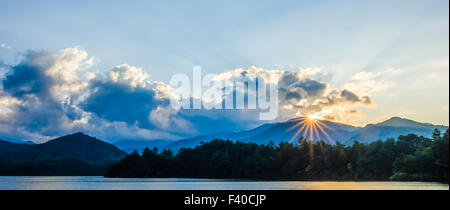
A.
x: 330, y: 132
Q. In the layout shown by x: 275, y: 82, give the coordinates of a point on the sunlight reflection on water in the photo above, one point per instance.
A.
x: 101, y: 183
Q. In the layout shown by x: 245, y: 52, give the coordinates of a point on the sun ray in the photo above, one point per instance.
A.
x: 298, y: 132
x: 296, y: 125
x: 313, y: 128
x: 317, y: 132
x: 311, y: 134
x: 295, y: 135
x: 325, y: 125
x: 326, y: 134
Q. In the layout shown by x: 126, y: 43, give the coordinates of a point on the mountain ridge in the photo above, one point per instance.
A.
x: 394, y: 127
x: 337, y: 132
x: 77, y: 145
x: 7, y: 146
x: 273, y: 132
x: 139, y: 145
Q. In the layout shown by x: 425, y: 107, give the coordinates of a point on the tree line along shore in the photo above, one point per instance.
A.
x: 407, y: 158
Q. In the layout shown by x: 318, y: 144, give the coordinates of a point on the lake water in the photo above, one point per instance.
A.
x: 101, y: 183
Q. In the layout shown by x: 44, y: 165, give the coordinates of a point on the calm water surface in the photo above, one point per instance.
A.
x: 101, y: 183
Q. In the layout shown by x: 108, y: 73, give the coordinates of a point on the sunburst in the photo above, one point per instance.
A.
x: 311, y: 126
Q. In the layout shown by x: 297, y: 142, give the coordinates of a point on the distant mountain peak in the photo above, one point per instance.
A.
x: 399, y: 119
x: 396, y: 118
x: 77, y: 145
x: 402, y: 122
x: 78, y: 134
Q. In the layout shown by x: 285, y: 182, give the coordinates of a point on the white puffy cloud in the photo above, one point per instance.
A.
x: 127, y: 74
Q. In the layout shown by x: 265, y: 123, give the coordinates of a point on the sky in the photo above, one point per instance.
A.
x: 57, y: 58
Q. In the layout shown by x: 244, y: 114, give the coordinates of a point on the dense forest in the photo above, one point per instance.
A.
x: 53, y: 167
x: 409, y: 157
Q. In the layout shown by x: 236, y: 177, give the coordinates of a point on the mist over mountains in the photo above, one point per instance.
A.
x: 287, y: 131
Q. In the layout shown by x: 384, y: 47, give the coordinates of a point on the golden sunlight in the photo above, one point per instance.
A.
x: 312, y: 128
x: 314, y: 117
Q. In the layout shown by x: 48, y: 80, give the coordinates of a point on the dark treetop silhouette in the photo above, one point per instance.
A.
x: 410, y: 157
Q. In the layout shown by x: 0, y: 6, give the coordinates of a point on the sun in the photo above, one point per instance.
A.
x: 313, y: 127
x: 314, y: 116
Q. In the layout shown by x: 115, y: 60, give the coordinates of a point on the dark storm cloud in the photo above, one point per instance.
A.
x: 27, y: 77
x: 121, y: 102
x: 352, y: 97
x: 293, y: 94
x: 37, y: 111
x: 303, y: 89
x: 291, y: 87
x: 312, y: 87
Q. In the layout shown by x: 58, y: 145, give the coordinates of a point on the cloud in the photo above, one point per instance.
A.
x: 43, y: 96
x: 48, y: 94
x: 352, y: 97
x: 301, y: 93
x: 39, y: 91
x: 369, y: 83
x: 129, y: 75
x: 116, y: 101
x: 46, y: 74
x: 298, y: 89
